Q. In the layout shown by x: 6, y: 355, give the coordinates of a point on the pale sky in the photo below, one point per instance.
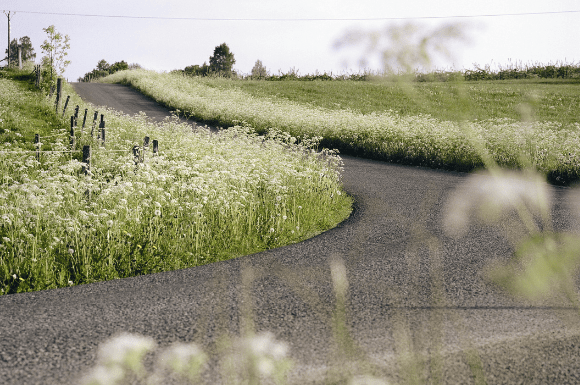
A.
x: 287, y: 34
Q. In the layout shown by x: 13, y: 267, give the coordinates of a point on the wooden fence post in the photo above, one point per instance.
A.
x: 101, y: 133
x: 94, y: 122
x: 72, y: 133
x: 86, y: 169
x: 136, y: 156
x: 84, y: 119
x: 36, y: 143
x: 37, y: 82
x: 155, y: 147
x: 145, y: 147
x: 58, y: 93
x: 76, y: 114
x: 86, y: 159
x: 65, y: 105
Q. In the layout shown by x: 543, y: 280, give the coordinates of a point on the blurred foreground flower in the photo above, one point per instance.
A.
x: 491, y: 198
x: 367, y: 380
x: 249, y: 361
x: 115, y: 356
x: 256, y: 357
x: 179, y: 360
x: 543, y: 262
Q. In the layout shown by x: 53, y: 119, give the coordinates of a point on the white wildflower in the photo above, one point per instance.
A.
x: 489, y: 198
x: 183, y: 358
x: 125, y: 350
x: 367, y: 380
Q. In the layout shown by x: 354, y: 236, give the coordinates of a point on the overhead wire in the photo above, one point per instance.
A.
x: 297, y: 19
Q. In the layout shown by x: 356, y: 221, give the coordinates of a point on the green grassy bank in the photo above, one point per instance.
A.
x: 441, y: 125
x: 203, y: 198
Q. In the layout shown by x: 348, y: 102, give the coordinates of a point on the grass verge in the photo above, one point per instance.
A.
x: 551, y: 147
x: 203, y: 198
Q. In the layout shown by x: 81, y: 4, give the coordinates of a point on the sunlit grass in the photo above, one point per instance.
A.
x: 204, y: 198
x: 551, y: 147
x: 555, y: 100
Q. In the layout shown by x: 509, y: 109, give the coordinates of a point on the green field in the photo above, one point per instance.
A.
x: 452, y: 125
x: 556, y: 100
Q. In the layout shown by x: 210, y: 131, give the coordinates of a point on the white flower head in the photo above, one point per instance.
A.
x: 125, y: 350
x: 184, y: 358
x: 489, y: 198
x: 261, y: 353
x: 104, y: 375
x: 367, y: 380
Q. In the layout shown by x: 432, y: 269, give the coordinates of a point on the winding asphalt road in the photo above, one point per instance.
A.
x: 51, y: 337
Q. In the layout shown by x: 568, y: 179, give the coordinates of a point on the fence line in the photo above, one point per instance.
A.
x: 138, y: 151
x: 55, y: 151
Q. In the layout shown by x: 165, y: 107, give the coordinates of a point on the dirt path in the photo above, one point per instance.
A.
x: 50, y: 337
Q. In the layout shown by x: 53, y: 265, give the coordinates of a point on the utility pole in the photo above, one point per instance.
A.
x: 8, y: 58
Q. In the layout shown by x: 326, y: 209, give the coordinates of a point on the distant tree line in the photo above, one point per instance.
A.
x: 104, y: 69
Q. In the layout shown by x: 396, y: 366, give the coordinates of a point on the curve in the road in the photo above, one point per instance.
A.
x: 51, y: 337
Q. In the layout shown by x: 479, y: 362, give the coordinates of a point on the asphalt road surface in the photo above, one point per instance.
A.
x: 51, y: 337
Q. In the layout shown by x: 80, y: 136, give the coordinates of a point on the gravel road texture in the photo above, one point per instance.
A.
x: 51, y: 337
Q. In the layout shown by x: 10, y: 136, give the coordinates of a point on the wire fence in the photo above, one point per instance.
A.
x: 137, y: 150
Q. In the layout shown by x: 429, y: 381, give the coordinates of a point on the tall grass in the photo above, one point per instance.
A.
x: 551, y: 147
x: 554, y: 100
x: 205, y: 197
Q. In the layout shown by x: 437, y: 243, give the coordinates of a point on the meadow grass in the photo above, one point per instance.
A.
x: 204, y: 198
x: 555, y: 100
x: 460, y: 143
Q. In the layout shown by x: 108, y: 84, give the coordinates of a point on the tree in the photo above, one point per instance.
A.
x: 118, y: 66
x: 222, y: 60
x: 102, y: 65
x: 56, y: 47
x: 135, y: 66
x: 259, y: 71
x: 196, y: 70
x: 27, y: 50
